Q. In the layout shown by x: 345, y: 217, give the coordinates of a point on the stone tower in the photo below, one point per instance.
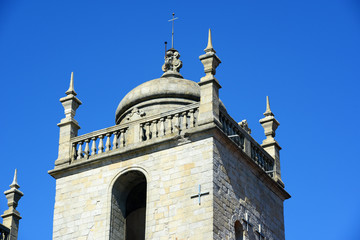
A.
x: 11, y: 217
x: 174, y: 166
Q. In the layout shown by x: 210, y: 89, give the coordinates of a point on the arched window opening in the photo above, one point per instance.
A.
x: 238, y: 231
x: 128, y: 207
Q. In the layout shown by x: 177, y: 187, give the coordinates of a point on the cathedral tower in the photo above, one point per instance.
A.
x: 174, y: 166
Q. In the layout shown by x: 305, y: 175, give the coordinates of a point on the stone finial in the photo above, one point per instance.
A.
x: 68, y: 126
x: 71, y: 87
x: 173, y: 64
x: 269, y: 123
x: 70, y: 102
x: 11, y: 216
x: 14, y: 183
x: 209, y: 88
x: 209, y: 60
x: 268, y: 110
x: 209, y: 47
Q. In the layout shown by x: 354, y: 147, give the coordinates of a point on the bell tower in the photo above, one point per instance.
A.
x: 175, y: 165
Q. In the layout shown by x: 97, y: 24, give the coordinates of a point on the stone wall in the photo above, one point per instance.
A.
x: 83, y: 195
x: 239, y: 188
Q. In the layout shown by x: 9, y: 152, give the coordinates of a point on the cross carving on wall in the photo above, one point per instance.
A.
x: 199, y: 195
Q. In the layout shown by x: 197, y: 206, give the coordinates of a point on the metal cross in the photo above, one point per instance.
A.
x: 172, y: 35
x: 246, y: 221
x: 261, y: 235
x: 199, y: 195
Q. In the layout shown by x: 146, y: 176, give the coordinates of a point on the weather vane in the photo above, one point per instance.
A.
x: 172, y: 36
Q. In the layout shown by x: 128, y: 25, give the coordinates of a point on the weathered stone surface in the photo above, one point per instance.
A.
x: 172, y: 135
x: 83, y: 201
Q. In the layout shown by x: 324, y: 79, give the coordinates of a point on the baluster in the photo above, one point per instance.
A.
x: 142, y: 135
x: 101, y: 144
x: 222, y: 120
x: 242, y: 141
x: 162, y: 127
x: 73, y: 152
x: 108, y: 142
x: 115, y: 140
x: 224, y: 123
x: 154, y: 132
x: 176, y: 124
x: 252, y: 150
x: 236, y: 139
x: 93, y: 146
x: 258, y: 156
x: 148, y: 134
x: 192, y: 118
x: 87, y: 150
x: 267, y: 165
x: 226, y: 127
x: 122, y: 137
x: 169, y: 127
x: 184, y: 124
x: 80, y: 155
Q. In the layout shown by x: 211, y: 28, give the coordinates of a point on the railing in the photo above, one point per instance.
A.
x: 98, y: 142
x: 4, y: 232
x: 259, y: 156
x: 102, y: 141
x: 232, y: 130
x: 174, y: 122
x: 238, y: 135
x: 94, y: 144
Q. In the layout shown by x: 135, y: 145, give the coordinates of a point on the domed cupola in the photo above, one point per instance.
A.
x: 166, y: 93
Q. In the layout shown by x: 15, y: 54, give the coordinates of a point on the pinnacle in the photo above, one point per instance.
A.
x: 14, y: 183
x: 209, y: 47
x: 71, y: 87
x: 268, y: 110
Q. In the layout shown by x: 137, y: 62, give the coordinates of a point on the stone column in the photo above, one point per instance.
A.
x: 68, y: 126
x: 11, y: 216
x: 209, y: 87
x: 270, y: 124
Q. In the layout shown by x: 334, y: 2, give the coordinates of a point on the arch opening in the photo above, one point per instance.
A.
x: 128, y: 207
x: 239, y: 232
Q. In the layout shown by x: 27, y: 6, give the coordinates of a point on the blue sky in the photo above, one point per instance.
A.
x: 303, y: 54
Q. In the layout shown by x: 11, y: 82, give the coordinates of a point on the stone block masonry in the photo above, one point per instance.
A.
x: 83, y: 198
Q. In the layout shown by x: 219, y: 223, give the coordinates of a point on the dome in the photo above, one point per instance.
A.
x: 156, y: 96
x: 160, y: 95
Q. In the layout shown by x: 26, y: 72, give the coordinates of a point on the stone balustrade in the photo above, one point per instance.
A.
x: 260, y: 156
x: 240, y: 137
x: 174, y: 122
x: 232, y: 130
x: 116, y: 137
x: 98, y: 142
x: 4, y: 232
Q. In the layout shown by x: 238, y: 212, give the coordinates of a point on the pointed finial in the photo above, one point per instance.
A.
x: 14, y: 183
x: 268, y: 110
x: 71, y: 87
x: 209, y: 47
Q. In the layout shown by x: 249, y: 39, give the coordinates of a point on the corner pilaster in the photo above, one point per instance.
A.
x: 68, y: 126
